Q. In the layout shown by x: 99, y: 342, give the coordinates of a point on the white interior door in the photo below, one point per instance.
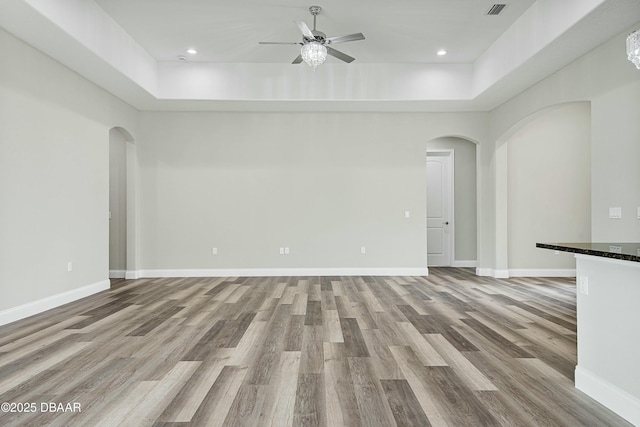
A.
x: 439, y: 208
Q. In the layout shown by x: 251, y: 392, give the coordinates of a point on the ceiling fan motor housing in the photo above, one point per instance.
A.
x: 320, y: 37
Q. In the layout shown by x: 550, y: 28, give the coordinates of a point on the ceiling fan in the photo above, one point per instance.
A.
x: 315, y: 44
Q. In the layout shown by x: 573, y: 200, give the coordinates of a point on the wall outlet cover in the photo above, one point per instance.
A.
x: 584, y: 285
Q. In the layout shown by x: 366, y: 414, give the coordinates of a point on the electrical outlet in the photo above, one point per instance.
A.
x: 407, y: 214
x: 363, y: 250
x: 615, y: 249
x: 69, y: 266
x: 281, y: 251
x: 214, y: 251
x: 584, y: 285
x: 286, y: 251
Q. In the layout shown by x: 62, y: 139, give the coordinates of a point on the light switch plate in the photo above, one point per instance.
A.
x: 615, y: 213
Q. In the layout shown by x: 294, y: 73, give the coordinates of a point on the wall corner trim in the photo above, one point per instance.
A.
x: 131, y: 274
x: 35, y: 307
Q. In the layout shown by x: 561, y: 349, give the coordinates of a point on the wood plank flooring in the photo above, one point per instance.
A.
x: 450, y: 349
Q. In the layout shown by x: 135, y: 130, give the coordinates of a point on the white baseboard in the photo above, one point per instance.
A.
x: 117, y: 274
x: 464, y: 264
x: 542, y: 272
x: 270, y: 272
x: 619, y: 401
x: 123, y: 274
x: 490, y: 272
x: 131, y: 274
x: 526, y: 272
x: 44, y: 304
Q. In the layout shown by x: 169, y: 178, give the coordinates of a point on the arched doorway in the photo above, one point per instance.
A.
x: 458, y: 232
x: 543, y: 190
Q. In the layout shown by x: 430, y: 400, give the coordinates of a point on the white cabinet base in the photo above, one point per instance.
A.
x: 608, y: 312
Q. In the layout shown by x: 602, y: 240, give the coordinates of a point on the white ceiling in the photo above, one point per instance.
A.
x: 131, y: 48
x: 399, y: 31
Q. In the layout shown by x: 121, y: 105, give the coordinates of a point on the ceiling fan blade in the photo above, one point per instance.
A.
x: 347, y: 38
x: 342, y: 56
x: 297, y: 60
x: 278, y: 43
x: 305, y: 30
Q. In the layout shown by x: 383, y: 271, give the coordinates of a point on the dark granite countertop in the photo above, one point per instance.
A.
x: 623, y: 251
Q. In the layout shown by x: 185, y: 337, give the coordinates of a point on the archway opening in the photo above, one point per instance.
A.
x: 458, y: 232
x: 545, y: 194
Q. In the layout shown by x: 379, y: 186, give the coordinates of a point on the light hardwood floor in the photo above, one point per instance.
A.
x: 448, y: 349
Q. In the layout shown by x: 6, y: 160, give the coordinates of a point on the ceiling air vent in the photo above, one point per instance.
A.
x: 496, y: 9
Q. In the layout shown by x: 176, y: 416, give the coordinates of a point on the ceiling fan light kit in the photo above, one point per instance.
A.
x: 315, y: 44
x: 313, y: 53
x: 633, y: 48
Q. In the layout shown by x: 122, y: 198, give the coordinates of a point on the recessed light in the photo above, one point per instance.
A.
x: 192, y: 51
x: 182, y: 58
x: 442, y: 52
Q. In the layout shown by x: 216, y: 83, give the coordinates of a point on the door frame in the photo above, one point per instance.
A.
x: 131, y: 222
x: 450, y: 236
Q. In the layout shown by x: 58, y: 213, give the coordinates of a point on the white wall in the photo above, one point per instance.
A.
x: 322, y: 184
x: 615, y: 162
x: 54, y: 136
x: 465, y: 195
x: 549, y: 191
x: 608, y: 344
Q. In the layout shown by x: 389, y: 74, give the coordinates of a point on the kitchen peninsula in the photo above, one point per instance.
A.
x: 608, y: 323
